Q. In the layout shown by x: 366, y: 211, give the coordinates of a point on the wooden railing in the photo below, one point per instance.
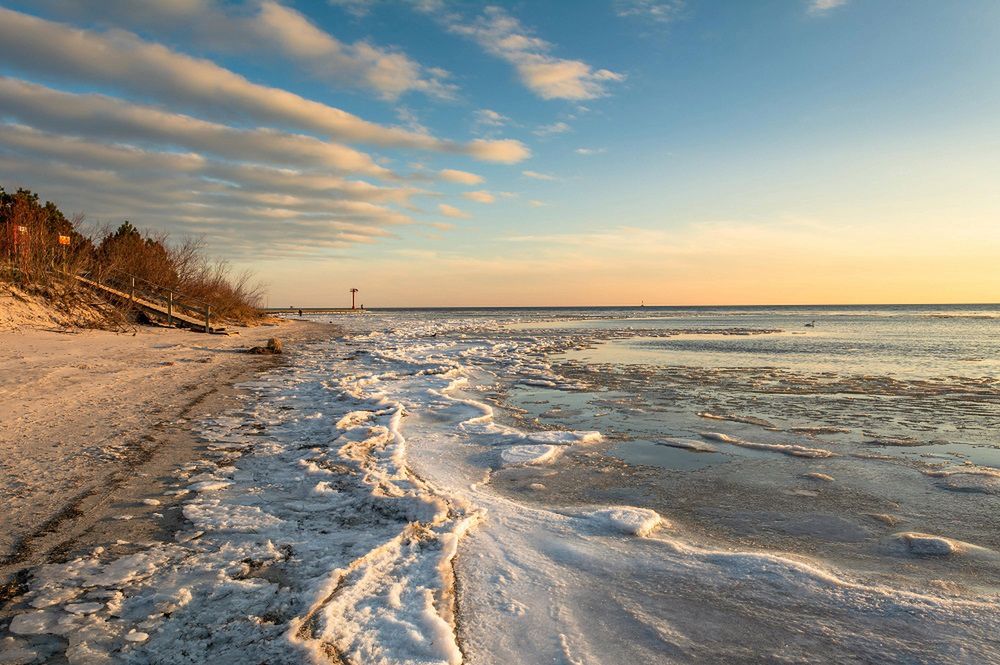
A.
x: 177, y: 307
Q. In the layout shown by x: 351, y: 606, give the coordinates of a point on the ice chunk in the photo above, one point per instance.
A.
x: 39, y: 622
x: 564, y: 437
x: 628, y: 520
x: 353, y: 419
x: 83, y: 608
x: 736, y: 418
x: 14, y: 652
x: 530, y: 454
x: 978, y: 479
x: 784, y: 448
x: 689, y: 444
x: 209, y: 485
x: 925, y: 544
x: 48, y: 596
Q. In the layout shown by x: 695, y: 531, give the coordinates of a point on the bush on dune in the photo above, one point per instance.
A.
x: 35, y: 259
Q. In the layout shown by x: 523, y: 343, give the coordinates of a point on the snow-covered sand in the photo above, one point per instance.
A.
x: 83, y: 412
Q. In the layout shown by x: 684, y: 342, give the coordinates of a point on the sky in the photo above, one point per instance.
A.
x: 593, y: 152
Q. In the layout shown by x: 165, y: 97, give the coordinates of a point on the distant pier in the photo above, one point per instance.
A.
x: 312, y: 310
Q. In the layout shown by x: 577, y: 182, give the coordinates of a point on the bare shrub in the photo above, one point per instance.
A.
x: 33, y: 257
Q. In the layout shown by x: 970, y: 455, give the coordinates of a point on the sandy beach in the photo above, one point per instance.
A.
x: 92, y: 422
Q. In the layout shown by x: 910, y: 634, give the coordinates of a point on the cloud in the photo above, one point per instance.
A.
x: 503, y: 151
x: 251, y: 177
x: 389, y: 73
x: 824, y: 6
x: 660, y: 11
x: 549, y: 130
x: 488, y: 123
x: 462, y: 177
x: 452, y: 211
x: 267, y: 25
x: 237, y: 221
x: 125, y: 62
x: 535, y: 203
x: 490, y: 118
x: 358, y: 8
x: 535, y: 175
x: 105, y: 117
x: 480, y: 197
x: 590, y: 151
x: 548, y: 76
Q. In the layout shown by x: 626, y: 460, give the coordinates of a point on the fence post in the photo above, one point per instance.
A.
x: 170, y: 308
x: 132, y: 291
x: 208, y: 314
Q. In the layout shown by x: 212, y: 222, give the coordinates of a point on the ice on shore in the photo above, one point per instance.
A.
x: 793, y: 450
x: 976, y: 479
x: 350, y: 486
x: 925, y: 544
x: 689, y: 444
x: 530, y: 454
x: 737, y: 418
x: 627, y: 520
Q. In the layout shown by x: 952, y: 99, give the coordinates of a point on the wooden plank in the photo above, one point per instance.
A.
x: 142, y: 302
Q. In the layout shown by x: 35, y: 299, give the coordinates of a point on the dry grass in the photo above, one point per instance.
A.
x: 34, y: 259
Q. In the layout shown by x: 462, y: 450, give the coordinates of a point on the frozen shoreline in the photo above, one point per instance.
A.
x: 345, y: 510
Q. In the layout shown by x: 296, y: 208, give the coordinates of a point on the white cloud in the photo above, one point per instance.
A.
x: 251, y: 177
x: 452, y: 211
x: 503, y: 151
x: 490, y: 118
x: 549, y: 130
x: 266, y: 25
x: 590, y: 151
x: 535, y: 203
x: 358, y: 8
x: 238, y: 221
x: 124, y: 61
x: 463, y: 177
x: 548, y: 76
x: 480, y: 196
x: 535, y: 175
x: 660, y: 11
x: 390, y: 73
x: 105, y: 117
x: 824, y: 6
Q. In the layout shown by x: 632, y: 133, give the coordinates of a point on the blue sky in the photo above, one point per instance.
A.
x: 592, y: 152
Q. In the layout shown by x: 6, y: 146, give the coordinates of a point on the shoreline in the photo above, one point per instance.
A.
x: 94, y: 422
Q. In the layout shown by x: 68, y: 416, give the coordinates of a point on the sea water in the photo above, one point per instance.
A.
x: 578, y: 486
